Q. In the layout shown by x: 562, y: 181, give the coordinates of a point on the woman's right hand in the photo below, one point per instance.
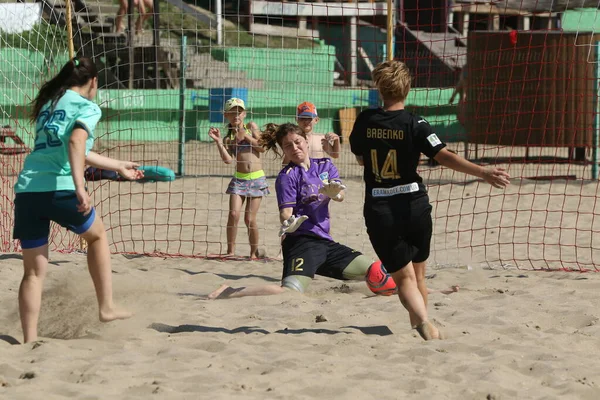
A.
x: 497, y: 177
x: 215, y: 134
x: 85, y: 204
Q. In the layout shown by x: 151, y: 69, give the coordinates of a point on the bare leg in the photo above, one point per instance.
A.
x: 235, y: 205
x: 252, y: 206
x: 139, y: 23
x: 99, y: 265
x: 149, y: 12
x: 422, y: 285
x: 227, y: 292
x: 120, y: 26
x: 412, y: 300
x: 35, y: 264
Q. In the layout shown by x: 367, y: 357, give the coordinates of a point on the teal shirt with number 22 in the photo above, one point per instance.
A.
x: 47, y: 167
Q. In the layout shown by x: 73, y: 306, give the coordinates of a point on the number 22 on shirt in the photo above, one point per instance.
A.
x: 389, y: 170
x: 47, y: 132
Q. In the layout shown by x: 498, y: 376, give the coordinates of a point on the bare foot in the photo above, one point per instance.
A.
x: 223, y: 292
x: 224, y: 256
x: 450, y: 290
x: 258, y: 254
x: 428, y: 331
x: 114, y: 314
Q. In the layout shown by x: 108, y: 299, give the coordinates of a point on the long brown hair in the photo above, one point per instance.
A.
x: 76, y: 72
x: 273, y: 135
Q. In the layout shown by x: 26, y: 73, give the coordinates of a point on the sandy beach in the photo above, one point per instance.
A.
x: 513, y: 332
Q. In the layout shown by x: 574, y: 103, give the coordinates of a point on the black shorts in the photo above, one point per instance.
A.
x: 310, y: 255
x: 400, y: 229
x: 35, y: 210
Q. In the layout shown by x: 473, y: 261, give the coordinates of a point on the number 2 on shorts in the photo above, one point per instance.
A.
x: 390, y: 166
x: 297, y: 264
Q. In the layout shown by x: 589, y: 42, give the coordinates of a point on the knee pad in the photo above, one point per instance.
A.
x: 379, y: 281
x: 357, y: 269
x: 298, y: 283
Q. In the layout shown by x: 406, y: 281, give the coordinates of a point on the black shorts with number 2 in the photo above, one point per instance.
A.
x: 310, y: 255
x: 399, y: 228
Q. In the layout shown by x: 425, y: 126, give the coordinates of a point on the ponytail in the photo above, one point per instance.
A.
x: 268, y: 139
x: 76, y: 72
x: 273, y: 135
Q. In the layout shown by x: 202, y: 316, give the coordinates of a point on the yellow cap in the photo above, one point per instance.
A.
x: 234, y: 102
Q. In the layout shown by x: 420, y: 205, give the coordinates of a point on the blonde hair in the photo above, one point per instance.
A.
x: 392, y: 79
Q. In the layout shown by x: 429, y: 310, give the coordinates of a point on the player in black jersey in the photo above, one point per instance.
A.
x: 389, y: 141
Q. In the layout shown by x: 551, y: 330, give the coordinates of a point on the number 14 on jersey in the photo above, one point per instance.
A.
x: 389, y: 170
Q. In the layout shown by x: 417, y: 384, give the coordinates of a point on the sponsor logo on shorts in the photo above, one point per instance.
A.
x: 401, y: 189
x: 434, y: 140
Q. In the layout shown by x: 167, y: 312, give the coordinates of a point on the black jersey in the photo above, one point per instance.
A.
x: 390, y: 144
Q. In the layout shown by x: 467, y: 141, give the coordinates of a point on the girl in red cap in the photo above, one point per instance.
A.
x: 319, y: 145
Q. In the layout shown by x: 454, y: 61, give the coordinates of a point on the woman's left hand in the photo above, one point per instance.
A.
x: 128, y: 170
x: 332, y: 189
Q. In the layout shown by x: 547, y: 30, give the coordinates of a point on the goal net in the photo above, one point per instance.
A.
x: 526, y: 99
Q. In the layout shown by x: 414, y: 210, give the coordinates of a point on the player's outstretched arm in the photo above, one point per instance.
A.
x: 127, y: 169
x: 497, y: 177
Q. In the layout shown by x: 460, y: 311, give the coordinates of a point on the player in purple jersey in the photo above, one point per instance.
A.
x: 305, y: 188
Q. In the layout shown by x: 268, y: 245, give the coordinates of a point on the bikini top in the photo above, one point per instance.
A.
x: 242, y: 146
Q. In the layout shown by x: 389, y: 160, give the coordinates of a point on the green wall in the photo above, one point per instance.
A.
x: 153, y: 115
x: 289, y: 78
x: 581, y: 20
x: 277, y: 67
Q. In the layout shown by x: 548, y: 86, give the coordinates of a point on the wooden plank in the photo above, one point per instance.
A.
x: 347, y: 118
x: 264, y: 29
x: 492, y: 9
x: 272, y: 8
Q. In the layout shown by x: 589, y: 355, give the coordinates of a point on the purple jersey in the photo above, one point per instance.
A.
x: 299, y: 189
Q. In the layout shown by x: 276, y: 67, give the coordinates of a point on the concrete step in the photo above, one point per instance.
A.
x: 220, y: 83
x: 98, y: 27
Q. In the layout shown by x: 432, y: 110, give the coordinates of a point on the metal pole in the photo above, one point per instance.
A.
x: 353, y: 51
x: 180, y: 166
x: 596, y: 132
x: 219, y: 13
x: 69, y: 18
x: 156, y: 23
x: 390, y: 30
x: 130, y: 38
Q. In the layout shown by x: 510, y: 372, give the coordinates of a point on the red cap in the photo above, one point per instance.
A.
x: 307, y: 109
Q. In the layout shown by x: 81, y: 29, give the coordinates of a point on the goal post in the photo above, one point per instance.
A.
x: 529, y: 78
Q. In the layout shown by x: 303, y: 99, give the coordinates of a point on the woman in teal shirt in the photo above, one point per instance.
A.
x: 51, y: 187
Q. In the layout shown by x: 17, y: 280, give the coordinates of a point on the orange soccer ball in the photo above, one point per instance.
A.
x: 379, y: 281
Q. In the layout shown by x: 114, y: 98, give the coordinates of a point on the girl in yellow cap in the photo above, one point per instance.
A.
x: 249, y: 184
